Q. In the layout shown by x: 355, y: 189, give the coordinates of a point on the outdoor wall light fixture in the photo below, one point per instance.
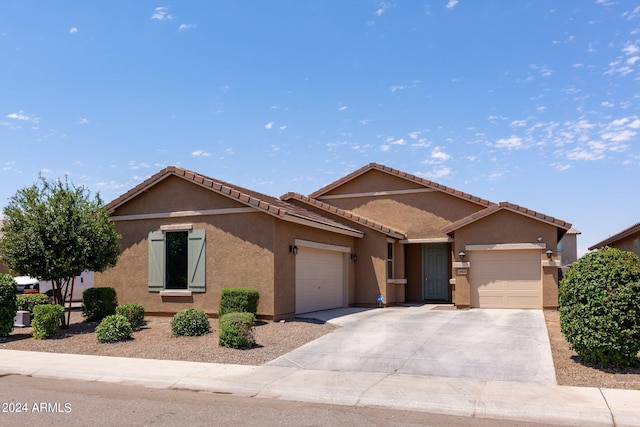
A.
x: 462, y: 254
x: 293, y: 249
x: 549, y: 253
x: 354, y: 257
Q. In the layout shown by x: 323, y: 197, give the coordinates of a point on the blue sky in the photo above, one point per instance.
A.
x: 533, y: 102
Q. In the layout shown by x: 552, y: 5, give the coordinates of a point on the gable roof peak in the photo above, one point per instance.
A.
x: 262, y: 202
x: 403, y: 175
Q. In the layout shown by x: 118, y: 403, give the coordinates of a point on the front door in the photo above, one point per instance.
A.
x: 435, y: 271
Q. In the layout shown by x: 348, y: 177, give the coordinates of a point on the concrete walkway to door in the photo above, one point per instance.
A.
x: 485, y: 344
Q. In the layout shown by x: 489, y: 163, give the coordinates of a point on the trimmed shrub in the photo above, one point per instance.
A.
x: 8, y: 304
x: 238, y: 300
x: 113, y: 328
x: 134, y: 314
x: 98, y: 303
x: 46, y: 320
x: 190, y: 322
x: 29, y: 301
x: 599, y: 304
x: 236, y: 330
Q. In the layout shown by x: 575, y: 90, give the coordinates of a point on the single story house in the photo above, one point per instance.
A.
x: 375, y: 236
x: 626, y: 240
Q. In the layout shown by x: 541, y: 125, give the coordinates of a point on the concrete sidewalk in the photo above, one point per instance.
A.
x: 543, y: 403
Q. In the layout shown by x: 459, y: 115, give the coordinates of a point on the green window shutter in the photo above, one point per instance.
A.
x: 156, y: 261
x: 197, y: 260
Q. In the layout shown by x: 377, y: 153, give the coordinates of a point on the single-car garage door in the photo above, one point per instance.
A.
x: 320, y: 280
x: 506, y: 279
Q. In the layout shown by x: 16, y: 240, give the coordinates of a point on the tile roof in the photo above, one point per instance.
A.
x: 268, y: 204
x: 348, y: 215
x: 510, y: 207
x: 635, y: 228
x: 400, y: 174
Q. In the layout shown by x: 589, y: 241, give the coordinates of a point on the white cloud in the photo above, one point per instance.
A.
x: 513, y: 142
x: 73, y: 30
x: 451, y: 4
x: 161, y: 14
x: 83, y: 121
x: 439, y: 172
x: 400, y: 141
x: 344, y: 107
x: 384, y: 147
x: 381, y: 9
x: 187, y: 27
x: 439, y: 155
x: 200, y: 153
x: 269, y: 125
x: 20, y: 115
x: 283, y: 127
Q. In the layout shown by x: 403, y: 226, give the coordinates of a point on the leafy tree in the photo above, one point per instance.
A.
x: 54, y: 231
x: 600, y: 307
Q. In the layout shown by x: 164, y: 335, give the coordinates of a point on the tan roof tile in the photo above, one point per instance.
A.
x: 506, y: 206
x: 344, y: 214
x: 263, y: 202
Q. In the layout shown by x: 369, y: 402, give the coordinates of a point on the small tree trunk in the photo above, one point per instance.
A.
x: 73, y: 280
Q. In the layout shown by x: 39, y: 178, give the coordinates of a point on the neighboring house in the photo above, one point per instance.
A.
x: 626, y: 240
x: 377, y: 233
x: 568, y: 247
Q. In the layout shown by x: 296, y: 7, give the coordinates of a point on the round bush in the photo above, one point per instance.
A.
x: 238, y: 300
x: 134, y: 314
x: 190, y: 322
x: 46, y: 320
x: 236, y: 330
x: 113, y: 328
x: 8, y: 304
x: 599, y: 304
x: 98, y: 303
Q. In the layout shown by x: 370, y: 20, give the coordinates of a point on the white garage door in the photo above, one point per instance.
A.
x: 319, y: 280
x: 506, y: 279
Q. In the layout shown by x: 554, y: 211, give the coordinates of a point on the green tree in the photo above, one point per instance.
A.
x: 54, y: 231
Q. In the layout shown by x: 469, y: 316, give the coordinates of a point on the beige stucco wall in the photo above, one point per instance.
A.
x: 501, y: 228
x: 285, y: 235
x: 420, y: 215
x: 236, y: 256
x: 242, y: 249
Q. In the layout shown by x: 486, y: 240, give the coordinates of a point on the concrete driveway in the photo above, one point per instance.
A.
x: 498, y: 345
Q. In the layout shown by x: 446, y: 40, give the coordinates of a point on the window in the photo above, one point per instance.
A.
x: 389, y: 260
x: 177, y: 260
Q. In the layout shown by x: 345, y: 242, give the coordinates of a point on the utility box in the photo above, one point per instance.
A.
x: 22, y: 319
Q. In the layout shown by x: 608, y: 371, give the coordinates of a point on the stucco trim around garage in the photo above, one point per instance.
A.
x: 506, y: 247
x: 324, y: 246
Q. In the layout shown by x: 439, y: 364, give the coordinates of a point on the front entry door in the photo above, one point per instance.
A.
x: 435, y: 271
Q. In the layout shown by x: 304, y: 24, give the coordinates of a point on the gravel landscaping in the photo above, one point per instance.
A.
x: 154, y: 341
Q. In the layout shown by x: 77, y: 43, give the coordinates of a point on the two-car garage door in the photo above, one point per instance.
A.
x: 320, y: 279
x: 506, y: 279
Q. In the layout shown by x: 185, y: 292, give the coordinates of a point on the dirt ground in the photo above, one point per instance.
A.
x: 154, y: 341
